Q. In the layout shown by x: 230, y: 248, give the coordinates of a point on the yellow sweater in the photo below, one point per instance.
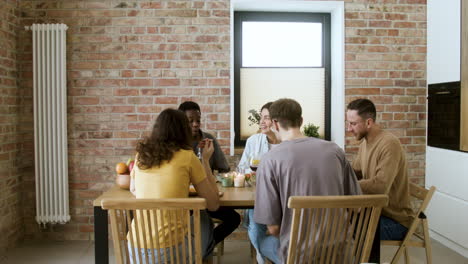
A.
x: 383, y: 165
x: 170, y: 180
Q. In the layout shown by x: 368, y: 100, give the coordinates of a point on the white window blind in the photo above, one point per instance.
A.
x: 261, y: 85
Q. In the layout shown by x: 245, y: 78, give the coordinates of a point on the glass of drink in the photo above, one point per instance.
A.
x: 254, y: 162
x: 200, y: 147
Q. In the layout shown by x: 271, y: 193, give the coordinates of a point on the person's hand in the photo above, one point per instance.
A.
x: 208, y: 149
x: 202, y: 143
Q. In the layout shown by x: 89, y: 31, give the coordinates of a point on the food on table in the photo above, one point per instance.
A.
x: 192, y: 189
x: 121, y: 168
x: 130, y: 164
x: 247, y: 176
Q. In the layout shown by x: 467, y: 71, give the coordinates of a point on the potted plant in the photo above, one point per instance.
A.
x: 254, y: 117
x: 311, y: 130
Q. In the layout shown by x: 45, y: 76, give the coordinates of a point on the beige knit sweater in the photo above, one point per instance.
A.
x: 382, y: 163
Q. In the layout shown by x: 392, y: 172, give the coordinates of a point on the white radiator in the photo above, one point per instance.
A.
x: 50, y: 123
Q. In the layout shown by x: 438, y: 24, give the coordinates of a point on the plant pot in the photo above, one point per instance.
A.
x: 123, y: 181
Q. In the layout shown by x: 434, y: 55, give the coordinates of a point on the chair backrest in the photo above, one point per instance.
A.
x: 333, y: 229
x: 158, y: 226
x: 422, y: 194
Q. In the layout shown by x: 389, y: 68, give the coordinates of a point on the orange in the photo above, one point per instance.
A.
x: 121, y: 168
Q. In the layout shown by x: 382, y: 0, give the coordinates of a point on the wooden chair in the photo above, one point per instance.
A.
x: 253, y: 254
x: 424, y: 241
x: 134, y: 220
x: 333, y: 229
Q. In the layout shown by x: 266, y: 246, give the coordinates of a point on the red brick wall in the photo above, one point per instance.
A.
x: 11, y: 164
x: 386, y: 62
x: 128, y: 60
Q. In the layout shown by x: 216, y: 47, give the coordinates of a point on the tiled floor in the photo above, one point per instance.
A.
x: 80, y: 252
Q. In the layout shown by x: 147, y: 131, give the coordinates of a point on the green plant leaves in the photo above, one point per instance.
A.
x: 311, y: 130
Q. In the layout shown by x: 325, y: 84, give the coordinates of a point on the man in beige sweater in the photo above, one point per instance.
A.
x: 381, y: 168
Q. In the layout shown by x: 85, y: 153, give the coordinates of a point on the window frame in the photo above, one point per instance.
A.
x: 242, y: 16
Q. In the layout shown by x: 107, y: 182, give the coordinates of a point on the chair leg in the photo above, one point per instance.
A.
x: 427, y: 242
x: 253, y: 254
x: 220, y: 246
x: 218, y: 255
x: 208, y: 260
x: 407, y: 258
x: 219, y: 251
x: 397, y: 255
x: 402, y: 247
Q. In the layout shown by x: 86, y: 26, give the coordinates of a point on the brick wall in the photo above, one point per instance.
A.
x: 128, y: 60
x: 10, y: 137
x: 386, y: 62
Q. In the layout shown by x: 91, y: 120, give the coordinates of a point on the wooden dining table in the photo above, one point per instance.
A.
x: 232, y: 197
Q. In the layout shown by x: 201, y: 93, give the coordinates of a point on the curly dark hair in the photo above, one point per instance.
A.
x: 189, y: 105
x: 171, y: 132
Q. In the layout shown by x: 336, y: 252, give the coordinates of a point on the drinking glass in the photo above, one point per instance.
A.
x: 199, y: 153
x: 200, y: 147
x: 254, y: 162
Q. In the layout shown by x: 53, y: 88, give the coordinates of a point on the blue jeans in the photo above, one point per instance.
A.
x: 207, y: 243
x: 391, y: 229
x: 266, y: 245
x: 269, y: 248
x: 388, y: 229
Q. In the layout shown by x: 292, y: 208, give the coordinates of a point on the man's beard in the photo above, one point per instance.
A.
x: 360, y: 136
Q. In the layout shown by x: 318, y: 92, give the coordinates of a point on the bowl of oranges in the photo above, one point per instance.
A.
x: 123, y: 171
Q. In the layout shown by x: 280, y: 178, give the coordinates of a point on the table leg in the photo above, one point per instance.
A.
x: 101, y: 234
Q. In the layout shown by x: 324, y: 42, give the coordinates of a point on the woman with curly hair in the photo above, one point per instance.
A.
x: 165, y: 167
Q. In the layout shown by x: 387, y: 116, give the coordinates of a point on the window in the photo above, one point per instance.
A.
x: 279, y: 55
